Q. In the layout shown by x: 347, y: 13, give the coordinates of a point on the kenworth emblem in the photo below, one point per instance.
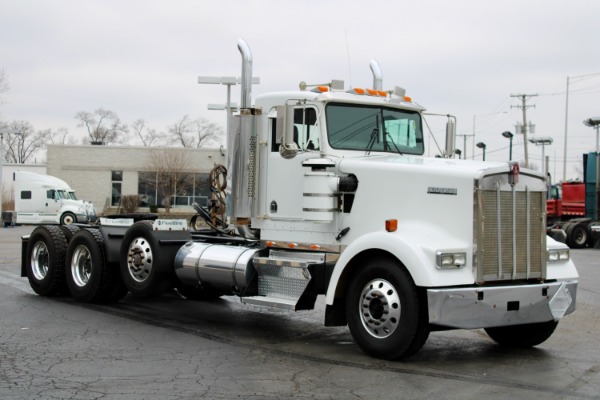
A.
x: 440, y: 190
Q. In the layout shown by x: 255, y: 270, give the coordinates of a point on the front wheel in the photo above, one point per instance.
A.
x: 67, y: 219
x: 386, y: 312
x: 527, y: 335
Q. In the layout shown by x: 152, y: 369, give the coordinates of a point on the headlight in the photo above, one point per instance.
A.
x: 450, y: 260
x: 558, y: 255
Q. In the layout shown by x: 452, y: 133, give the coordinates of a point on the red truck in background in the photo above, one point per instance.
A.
x: 573, y: 207
x: 566, y: 202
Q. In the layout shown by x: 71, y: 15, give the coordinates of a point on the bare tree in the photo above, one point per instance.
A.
x: 194, y: 133
x: 103, y: 126
x: 25, y: 143
x: 168, y: 168
x: 60, y: 136
x: 146, y: 135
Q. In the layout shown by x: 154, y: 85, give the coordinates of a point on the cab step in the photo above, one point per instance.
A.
x: 283, y: 277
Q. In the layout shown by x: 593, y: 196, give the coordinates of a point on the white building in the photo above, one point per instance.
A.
x: 102, y: 174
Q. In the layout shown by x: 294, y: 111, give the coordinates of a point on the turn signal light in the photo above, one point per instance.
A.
x: 357, y: 91
x: 391, y: 225
x: 321, y: 89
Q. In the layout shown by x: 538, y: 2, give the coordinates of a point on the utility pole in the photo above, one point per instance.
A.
x: 464, y: 152
x: 524, y: 107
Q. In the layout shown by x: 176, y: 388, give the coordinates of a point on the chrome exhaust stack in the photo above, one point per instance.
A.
x: 246, y: 99
x: 377, y: 75
x: 241, y: 151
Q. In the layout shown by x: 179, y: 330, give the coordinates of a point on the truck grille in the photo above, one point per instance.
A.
x: 511, y: 234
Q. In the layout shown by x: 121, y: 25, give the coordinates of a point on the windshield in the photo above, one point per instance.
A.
x: 374, y: 128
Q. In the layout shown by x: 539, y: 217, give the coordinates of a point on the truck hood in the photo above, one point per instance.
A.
x: 431, y: 166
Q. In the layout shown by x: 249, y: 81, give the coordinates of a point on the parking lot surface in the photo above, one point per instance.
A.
x: 172, y: 348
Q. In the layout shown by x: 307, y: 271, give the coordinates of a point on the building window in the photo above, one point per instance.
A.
x: 196, y: 188
x: 117, y: 180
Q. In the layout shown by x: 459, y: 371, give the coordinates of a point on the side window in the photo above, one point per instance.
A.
x: 117, y: 178
x: 307, y: 132
x: 25, y: 194
x: 307, y: 129
x: 51, y: 194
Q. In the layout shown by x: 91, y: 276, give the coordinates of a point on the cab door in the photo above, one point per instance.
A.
x: 285, y: 176
x: 51, y: 206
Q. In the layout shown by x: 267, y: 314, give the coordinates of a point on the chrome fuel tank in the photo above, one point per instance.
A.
x: 224, y: 267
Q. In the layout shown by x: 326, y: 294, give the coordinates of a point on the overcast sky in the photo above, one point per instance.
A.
x: 141, y: 59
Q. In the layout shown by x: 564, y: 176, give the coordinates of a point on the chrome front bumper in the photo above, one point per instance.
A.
x: 485, y: 307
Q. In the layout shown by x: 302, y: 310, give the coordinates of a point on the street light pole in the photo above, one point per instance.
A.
x: 509, y: 136
x: 474, y: 119
x: 482, y: 146
x: 542, y: 141
x: 228, y: 81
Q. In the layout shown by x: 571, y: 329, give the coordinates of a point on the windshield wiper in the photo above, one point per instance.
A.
x: 374, y: 136
x: 387, y: 135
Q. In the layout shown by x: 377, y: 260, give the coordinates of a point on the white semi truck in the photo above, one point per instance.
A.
x: 330, y: 195
x: 45, y: 199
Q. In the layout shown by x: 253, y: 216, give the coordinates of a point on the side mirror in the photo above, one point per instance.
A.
x: 285, y: 130
x: 450, y: 136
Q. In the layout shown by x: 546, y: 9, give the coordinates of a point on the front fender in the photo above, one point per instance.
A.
x: 415, y: 246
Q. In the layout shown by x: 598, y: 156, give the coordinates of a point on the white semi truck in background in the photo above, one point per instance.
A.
x: 330, y: 195
x: 45, y: 199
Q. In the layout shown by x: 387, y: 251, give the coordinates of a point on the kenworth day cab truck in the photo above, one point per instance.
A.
x: 330, y: 195
x: 45, y: 199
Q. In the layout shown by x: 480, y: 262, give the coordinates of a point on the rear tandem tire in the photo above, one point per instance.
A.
x: 89, y: 277
x: 141, y: 259
x: 577, y: 236
x: 45, y: 260
x: 386, y: 312
x: 527, y: 335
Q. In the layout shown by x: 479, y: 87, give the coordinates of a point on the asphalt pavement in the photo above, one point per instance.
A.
x: 171, y: 348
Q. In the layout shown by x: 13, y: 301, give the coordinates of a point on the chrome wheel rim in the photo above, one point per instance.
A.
x: 379, y: 308
x: 40, y: 260
x: 139, y: 259
x: 81, y: 266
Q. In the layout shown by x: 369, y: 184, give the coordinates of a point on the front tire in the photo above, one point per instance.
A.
x: 45, y: 260
x: 386, y: 312
x: 522, y: 336
x: 68, y: 218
